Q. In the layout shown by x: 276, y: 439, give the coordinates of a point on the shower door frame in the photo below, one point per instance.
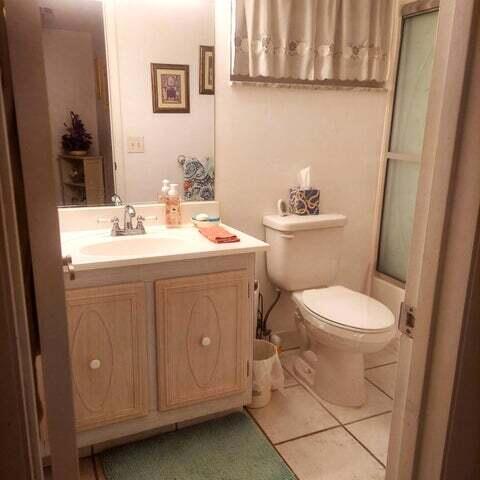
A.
x: 418, y: 435
x: 408, y: 9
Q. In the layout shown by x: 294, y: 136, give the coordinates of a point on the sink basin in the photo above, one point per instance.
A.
x: 133, y: 247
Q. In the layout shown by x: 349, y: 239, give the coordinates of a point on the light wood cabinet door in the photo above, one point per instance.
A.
x: 107, y: 329
x: 203, y: 329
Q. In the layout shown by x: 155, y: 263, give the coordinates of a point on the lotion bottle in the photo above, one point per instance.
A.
x: 172, y: 208
x: 162, y: 198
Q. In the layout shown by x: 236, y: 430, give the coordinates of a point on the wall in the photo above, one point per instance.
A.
x: 70, y: 80
x: 161, y: 31
x: 69, y: 69
x: 264, y: 136
x: 102, y: 103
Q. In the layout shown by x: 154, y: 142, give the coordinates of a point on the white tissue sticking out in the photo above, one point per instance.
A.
x: 303, y: 178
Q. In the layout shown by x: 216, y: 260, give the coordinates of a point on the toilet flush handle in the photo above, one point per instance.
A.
x: 287, y: 236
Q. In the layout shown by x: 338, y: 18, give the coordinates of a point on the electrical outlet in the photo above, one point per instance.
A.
x: 135, y: 145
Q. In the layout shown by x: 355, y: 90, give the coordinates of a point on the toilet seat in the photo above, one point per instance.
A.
x: 346, y: 309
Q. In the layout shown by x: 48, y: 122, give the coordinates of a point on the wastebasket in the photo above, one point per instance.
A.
x: 267, y: 373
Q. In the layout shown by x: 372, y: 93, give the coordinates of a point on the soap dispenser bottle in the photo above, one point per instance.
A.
x: 162, y: 198
x: 172, y: 207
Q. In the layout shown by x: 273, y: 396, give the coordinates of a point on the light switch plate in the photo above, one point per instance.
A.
x: 135, y: 145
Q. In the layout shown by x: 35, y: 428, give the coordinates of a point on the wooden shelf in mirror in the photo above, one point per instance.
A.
x: 90, y: 187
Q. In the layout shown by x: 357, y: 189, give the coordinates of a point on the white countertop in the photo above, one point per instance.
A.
x: 159, y: 244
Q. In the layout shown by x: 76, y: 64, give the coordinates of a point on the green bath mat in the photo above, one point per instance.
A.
x: 228, y: 448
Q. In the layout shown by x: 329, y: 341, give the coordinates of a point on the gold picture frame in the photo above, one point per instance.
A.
x: 170, y: 88
x: 207, y: 70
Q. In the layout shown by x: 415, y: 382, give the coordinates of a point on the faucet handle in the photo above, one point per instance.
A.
x: 140, y: 226
x: 116, y: 226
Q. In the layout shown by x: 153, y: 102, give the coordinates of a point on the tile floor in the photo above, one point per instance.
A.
x: 87, y: 470
x: 321, y: 441
x: 318, y: 440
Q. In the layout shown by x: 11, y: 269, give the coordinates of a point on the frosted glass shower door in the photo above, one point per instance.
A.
x: 406, y: 141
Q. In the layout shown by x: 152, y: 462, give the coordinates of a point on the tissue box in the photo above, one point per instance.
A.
x: 304, y: 201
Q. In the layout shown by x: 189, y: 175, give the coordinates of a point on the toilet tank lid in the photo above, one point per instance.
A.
x: 293, y: 223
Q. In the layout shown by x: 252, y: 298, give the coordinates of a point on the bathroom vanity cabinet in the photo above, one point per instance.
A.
x: 107, y: 331
x: 157, y: 344
x: 203, y: 351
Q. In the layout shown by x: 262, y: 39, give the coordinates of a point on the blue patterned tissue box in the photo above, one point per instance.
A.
x: 304, y: 201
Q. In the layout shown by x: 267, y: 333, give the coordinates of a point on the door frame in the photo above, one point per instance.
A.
x: 454, y: 344
x: 434, y: 246
x: 19, y: 434
x: 23, y: 26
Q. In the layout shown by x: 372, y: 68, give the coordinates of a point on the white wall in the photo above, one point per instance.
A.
x: 265, y: 135
x: 102, y: 107
x: 162, y: 31
x: 69, y: 69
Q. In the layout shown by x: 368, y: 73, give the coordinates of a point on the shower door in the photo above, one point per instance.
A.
x: 404, y: 147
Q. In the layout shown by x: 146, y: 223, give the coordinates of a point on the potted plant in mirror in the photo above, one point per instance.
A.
x: 77, y: 141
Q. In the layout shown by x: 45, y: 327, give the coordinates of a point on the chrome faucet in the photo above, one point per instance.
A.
x: 129, y: 214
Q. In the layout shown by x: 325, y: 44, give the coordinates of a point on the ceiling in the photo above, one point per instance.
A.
x: 76, y: 15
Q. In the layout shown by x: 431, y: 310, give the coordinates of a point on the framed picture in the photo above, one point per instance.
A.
x: 170, y: 88
x: 207, y: 70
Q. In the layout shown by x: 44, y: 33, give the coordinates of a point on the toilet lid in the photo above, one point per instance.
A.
x: 349, y: 309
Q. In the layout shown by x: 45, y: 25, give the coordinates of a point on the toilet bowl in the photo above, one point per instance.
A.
x: 338, y: 326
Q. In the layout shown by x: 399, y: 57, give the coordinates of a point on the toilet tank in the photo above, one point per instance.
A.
x: 304, y: 250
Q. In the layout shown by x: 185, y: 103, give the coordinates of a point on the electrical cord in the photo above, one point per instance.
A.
x: 264, y: 332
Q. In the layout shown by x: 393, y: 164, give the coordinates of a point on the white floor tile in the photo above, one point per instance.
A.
x: 384, y: 378
x: 388, y: 355
x: 290, y: 380
x: 87, y: 470
x: 287, y: 359
x: 377, y: 402
x: 374, y: 433
x: 292, y: 413
x: 330, y: 455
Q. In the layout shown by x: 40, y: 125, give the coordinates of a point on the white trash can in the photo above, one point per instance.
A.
x: 267, y: 373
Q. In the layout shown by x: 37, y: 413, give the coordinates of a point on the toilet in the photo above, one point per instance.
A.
x: 337, y: 326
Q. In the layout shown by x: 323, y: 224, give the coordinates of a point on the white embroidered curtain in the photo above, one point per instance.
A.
x: 314, y: 40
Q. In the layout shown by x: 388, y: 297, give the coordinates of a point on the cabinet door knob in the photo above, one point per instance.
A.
x: 206, y: 341
x: 95, y: 364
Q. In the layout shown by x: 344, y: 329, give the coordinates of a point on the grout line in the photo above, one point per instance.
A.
x: 386, y: 412
x: 381, y: 365
x: 378, y: 388
x: 307, y: 389
x: 270, y: 442
x: 306, y: 435
x: 364, y: 447
x: 341, y: 423
x: 94, y: 463
x: 290, y: 349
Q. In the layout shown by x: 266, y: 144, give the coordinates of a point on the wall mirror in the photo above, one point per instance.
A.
x: 131, y: 98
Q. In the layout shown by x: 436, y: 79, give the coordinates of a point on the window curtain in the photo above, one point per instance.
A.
x: 312, y: 40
